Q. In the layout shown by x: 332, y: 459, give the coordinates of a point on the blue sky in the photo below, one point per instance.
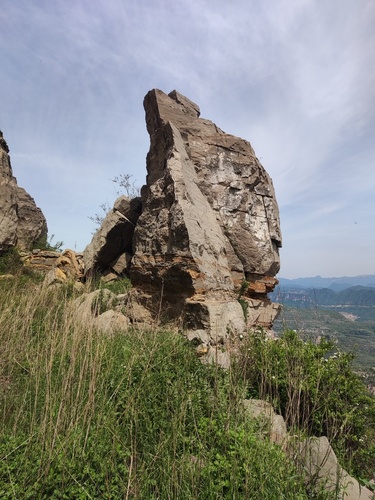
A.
x: 294, y: 77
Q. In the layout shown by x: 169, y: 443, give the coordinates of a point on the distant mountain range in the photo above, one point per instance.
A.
x: 336, y: 284
x: 307, y: 297
x: 317, y: 291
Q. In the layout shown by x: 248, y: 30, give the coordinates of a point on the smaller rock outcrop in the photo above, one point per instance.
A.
x: 57, y: 267
x: 22, y: 223
x: 68, y: 261
x: 322, y: 467
x: 111, y: 246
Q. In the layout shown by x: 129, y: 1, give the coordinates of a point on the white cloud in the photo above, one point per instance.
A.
x: 295, y: 77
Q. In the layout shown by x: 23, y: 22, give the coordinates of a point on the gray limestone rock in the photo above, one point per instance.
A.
x: 22, y: 223
x: 206, y: 225
x: 276, y: 426
x: 112, y: 321
x: 318, y: 461
x: 321, y: 465
x: 114, y: 237
x: 210, y: 219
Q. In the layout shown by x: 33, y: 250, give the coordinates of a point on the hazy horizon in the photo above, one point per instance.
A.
x: 326, y: 277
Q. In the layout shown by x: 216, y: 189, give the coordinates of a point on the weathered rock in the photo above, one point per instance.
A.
x: 71, y: 263
x: 22, y: 223
x: 209, y: 221
x: 261, y: 312
x: 108, y: 276
x: 316, y: 457
x: 112, y: 321
x: 275, y: 423
x: 90, y: 305
x: 218, y: 356
x: 54, y: 276
x: 68, y: 262
x: 138, y: 314
x: 321, y: 466
x: 219, y: 318
x: 121, y: 264
x: 114, y: 237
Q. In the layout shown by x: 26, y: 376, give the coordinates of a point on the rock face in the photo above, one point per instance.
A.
x: 209, y: 232
x: 58, y: 267
x: 21, y: 222
x: 111, y: 246
x: 322, y: 467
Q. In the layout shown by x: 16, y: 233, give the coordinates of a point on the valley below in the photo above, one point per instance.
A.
x: 346, y: 317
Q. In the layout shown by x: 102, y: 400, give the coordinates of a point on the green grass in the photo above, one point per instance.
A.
x: 134, y: 415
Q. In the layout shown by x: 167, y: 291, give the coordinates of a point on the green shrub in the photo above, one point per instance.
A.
x: 10, y: 262
x: 121, y: 285
x: 316, y: 391
x: 45, y: 243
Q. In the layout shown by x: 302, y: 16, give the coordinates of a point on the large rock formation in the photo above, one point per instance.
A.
x: 22, y: 223
x: 203, y: 239
x: 209, y: 231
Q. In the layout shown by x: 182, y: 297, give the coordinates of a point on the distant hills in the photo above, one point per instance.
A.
x: 307, y: 297
x: 336, y: 284
x: 341, y: 309
x: 318, y: 291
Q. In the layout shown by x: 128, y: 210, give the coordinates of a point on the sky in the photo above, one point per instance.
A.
x: 296, y: 78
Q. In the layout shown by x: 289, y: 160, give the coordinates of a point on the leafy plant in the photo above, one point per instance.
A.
x: 44, y: 243
x: 121, y: 285
x: 316, y: 391
x: 10, y: 262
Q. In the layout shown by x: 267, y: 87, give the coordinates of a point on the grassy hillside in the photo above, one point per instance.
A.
x: 135, y: 414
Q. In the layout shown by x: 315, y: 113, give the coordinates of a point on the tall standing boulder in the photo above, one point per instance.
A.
x: 209, y: 230
x: 22, y: 223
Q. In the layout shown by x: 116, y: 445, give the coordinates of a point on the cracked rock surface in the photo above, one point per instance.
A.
x: 209, y: 221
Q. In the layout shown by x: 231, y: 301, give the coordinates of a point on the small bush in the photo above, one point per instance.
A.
x: 118, y: 286
x: 10, y: 262
x: 45, y: 243
x: 317, y: 392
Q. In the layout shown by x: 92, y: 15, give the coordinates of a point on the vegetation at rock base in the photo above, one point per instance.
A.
x: 47, y: 243
x: 10, y: 261
x: 350, y: 336
x: 316, y: 391
x: 11, y: 264
x: 130, y: 415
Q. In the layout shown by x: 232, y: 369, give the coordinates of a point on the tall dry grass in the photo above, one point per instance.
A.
x: 131, y: 415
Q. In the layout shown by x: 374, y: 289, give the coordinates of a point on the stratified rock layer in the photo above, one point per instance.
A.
x: 210, y: 221
x: 22, y: 223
